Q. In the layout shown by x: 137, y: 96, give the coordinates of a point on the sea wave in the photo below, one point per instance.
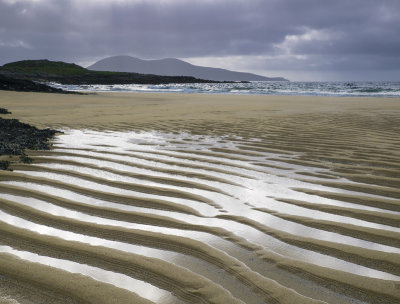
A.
x: 342, y: 89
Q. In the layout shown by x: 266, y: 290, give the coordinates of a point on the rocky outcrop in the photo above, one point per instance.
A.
x: 25, y: 85
x: 16, y: 136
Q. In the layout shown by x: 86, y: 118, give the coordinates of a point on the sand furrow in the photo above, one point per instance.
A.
x: 380, y: 236
x: 159, y: 191
x: 226, y: 199
x: 172, y: 171
x: 269, y: 290
x: 139, y: 158
x: 208, y: 160
x: 122, y: 199
x: 362, y: 188
x: 359, y: 199
x: 390, y: 182
x: 369, y: 258
x: 370, y: 216
x: 112, y: 233
x: 182, y: 283
x: 41, y: 279
x: 163, y: 180
x: 353, y: 285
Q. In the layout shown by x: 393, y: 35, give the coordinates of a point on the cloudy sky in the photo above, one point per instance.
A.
x: 296, y: 39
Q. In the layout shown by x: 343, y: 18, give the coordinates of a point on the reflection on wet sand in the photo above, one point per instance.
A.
x: 234, y: 211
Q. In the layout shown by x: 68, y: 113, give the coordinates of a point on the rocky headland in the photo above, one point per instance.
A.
x: 44, y: 71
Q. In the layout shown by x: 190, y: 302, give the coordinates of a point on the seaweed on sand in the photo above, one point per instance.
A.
x: 4, y: 111
x: 16, y: 136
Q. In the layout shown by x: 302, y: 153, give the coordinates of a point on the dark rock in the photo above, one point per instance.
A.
x: 16, y: 136
x: 25, y: 85
x: 4, y: 164
x: 26, y: 159
x: 4, y: 111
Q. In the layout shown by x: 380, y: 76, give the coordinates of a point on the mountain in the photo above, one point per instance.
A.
x: 70, y: 73
x: 173, y: 67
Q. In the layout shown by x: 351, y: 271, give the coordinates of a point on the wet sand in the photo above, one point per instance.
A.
x: 227, y: 198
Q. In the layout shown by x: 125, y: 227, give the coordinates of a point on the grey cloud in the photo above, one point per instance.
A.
x: 355, y: 34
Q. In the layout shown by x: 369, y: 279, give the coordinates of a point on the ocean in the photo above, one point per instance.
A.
x: 343, y: 89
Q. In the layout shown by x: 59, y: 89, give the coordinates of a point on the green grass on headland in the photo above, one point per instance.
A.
x: 45, y: 67
x: 70, y: 73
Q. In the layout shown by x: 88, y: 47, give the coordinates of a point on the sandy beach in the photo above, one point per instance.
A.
x: 196, y: 198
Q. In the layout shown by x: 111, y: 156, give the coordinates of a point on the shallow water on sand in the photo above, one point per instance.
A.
x: 203, y: 189
x: 146, y: 290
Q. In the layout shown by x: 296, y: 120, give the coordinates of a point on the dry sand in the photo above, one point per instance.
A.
x: 349, y: 148
x: 118, y: 111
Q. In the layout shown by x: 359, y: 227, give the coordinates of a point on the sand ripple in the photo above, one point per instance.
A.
x: 219, y: 213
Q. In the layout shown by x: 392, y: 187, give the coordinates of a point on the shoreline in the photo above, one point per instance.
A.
x: 324, y: 89
x: 227, y: 93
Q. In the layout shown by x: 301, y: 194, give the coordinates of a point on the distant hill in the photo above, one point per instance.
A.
x: 174, y: 67
x: 70, y: 73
